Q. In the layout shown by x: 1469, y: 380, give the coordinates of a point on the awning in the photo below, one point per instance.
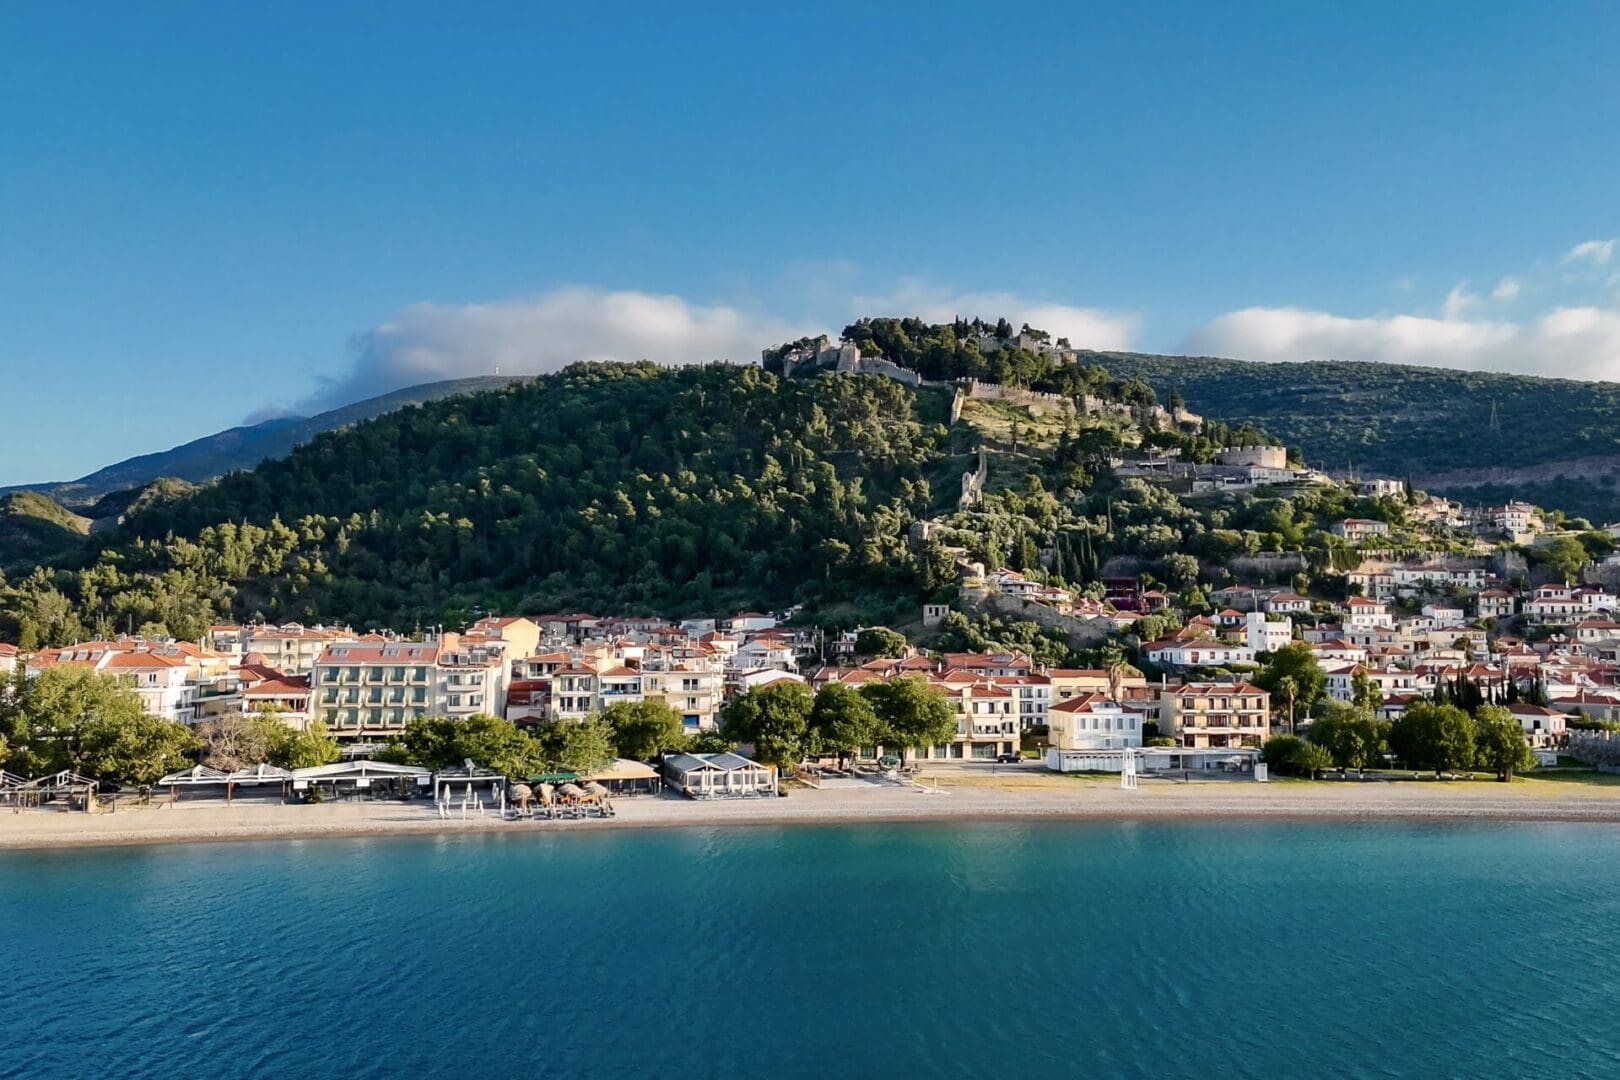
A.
x: 625, y: 769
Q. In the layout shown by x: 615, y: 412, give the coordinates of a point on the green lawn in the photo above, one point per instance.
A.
x: 1583, y: 776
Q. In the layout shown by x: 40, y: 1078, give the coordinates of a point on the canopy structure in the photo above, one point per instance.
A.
x: 197, y: 774
x: 469, y: 779
x: 67, y: 784
x: 725, y: 775
x: 553, y: 778
x: 262, y: 774
x: 354, y: 777
x: 468, y: 771
x: 203, y: 780
x: 12, y: 787
x: 627, y: 777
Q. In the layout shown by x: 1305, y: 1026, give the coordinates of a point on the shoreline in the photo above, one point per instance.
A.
x: 1213, y: 803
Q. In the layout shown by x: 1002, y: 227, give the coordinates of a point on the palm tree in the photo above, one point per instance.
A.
x: 1288, y: 687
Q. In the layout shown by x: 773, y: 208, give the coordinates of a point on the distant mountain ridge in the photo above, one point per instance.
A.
x: 1474, y: 435
x: 244, y: 447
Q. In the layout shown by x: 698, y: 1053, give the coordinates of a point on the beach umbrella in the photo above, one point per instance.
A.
x: 521, y: 794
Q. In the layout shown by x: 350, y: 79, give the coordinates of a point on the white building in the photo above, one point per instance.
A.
x: 1445, y: 614
x: 1201, y: 652
x: 1267, y: 635
x: 1541, y: 724
x: 1360, y: 613
x: 1494, y: 604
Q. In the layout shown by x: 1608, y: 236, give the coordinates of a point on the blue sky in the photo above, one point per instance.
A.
x: 211, y: 211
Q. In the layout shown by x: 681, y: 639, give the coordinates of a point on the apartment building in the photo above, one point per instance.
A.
x: 522, y: 635
x: 1033, y: 695
x: 371, y: 689
x: 291, y: 648
x: 161, y: 682
x: 1203, y: 716
x: 693, y: 693
x: 171, y: 678
x: 573, y: 692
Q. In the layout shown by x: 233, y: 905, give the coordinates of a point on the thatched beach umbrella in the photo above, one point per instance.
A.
x: 595, y: 789
x: 571, y: 791
x: 521, y: 794
x: 548, y: 794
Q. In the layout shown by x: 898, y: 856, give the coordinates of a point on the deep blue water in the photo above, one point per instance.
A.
x: 1208, y: 950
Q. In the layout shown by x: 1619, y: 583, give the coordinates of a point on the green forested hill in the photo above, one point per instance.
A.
x: 1553, y: 441
x: 620, y: 487
x: 35, y: 528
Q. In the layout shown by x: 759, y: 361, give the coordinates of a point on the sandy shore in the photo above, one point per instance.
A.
x: 1034, y: 798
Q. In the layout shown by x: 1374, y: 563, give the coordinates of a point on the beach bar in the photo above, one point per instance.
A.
x: 469, y: 785
x: 724, y: 775
x: 627, y: 777
x: 356, y: 778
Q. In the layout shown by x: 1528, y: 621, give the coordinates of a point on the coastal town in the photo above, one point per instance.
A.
x: 1176, y: 610
x: 1202, y: 701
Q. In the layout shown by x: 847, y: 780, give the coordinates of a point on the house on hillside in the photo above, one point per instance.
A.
x: 1200, y: 653
x: 1266, y: 635
x: 1356, y: 530
x: 1286, y: 603
x: 1493, y: 604
x: 1361, y: 613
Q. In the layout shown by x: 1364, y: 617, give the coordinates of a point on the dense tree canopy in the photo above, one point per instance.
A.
x: 643, y: 730
x: 1499, y: 742
x: 1433, y: 736
x: 773, y: 718
x: 70, y: 717
x: 842, y: 721
x: 615, y: 486
x: 442, y: 742
x: 911, y: 714
x: 1351, y: 735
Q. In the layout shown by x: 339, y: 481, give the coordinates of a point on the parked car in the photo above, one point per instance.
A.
x: 1008, y: 759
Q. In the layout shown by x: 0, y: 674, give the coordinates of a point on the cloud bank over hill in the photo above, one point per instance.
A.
x: 430, y: 342
x: 1572, y: 342
x: 1471, y: 331
x: 1560, y: 317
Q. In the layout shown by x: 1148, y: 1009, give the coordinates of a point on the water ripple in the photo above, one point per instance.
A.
x: 1052, y: 949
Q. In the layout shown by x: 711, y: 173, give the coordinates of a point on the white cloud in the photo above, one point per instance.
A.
x: 1569, y: 342
x: 1597, y: 252
x: 1086, y: 328
x: 1506, y: 289
x: 430, y: 342
x: 1458, y: 301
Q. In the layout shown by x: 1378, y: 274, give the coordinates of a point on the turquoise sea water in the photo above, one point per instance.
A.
x: 1208, y: 950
